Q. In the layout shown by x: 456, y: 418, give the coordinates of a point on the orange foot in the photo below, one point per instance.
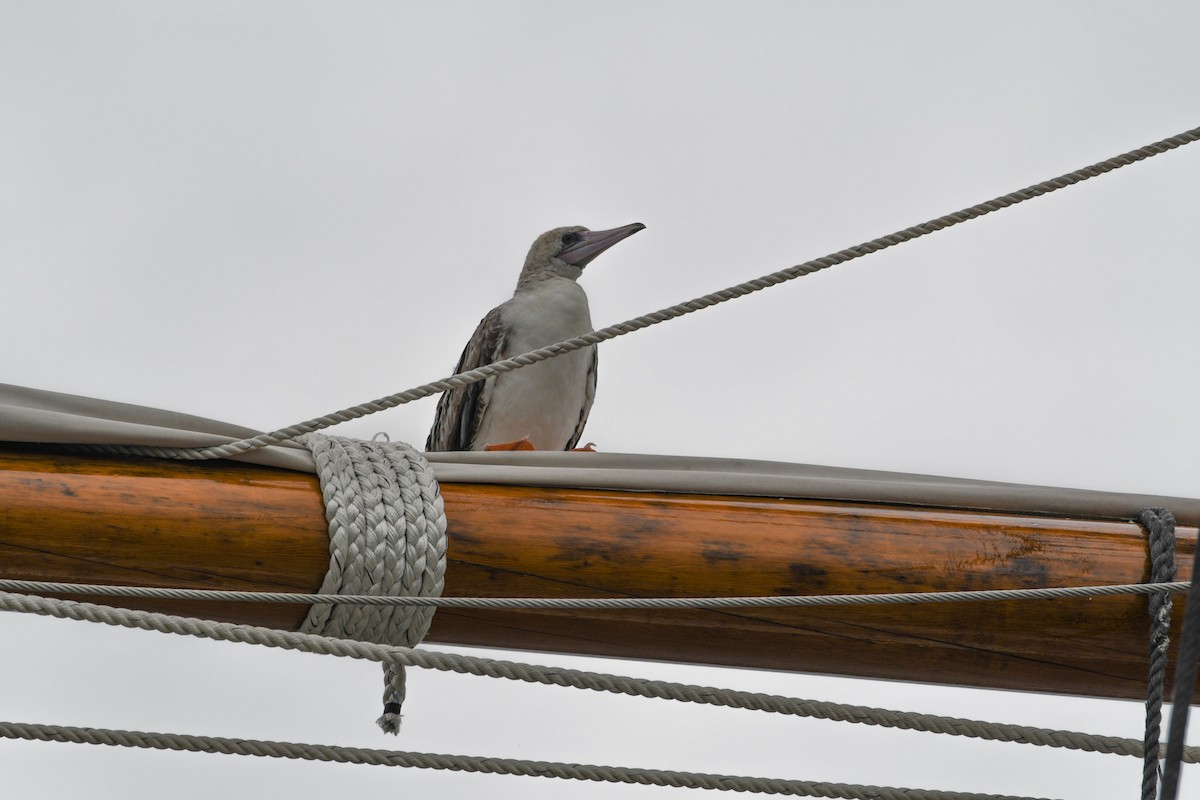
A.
x: 590, y: 447
x: 520, y: 444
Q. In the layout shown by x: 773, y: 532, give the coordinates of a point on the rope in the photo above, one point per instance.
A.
x: 493, y: 766
x: 658, y: 603
x: 579, y: 679
x: 378, y: 569
x: 662, y: 315
x: 1160, y: 530
x: 387, y: 536
x: 1185, y: 685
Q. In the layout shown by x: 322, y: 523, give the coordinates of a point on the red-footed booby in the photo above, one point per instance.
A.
x: 543, y: 406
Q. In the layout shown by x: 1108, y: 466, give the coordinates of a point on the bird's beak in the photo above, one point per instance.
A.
x: 593, y: 243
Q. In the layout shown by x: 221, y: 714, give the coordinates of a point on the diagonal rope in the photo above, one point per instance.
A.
x: 492, y: 766
x: 654, y: 318
x: 580, y: 679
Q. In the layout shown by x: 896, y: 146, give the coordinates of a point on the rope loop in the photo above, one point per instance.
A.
x: 387, y: 536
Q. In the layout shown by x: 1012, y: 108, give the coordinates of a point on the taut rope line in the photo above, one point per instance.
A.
x: 579, y: 679
x: 490, y: 766
x: 661, y: 603
x: 654, y: 318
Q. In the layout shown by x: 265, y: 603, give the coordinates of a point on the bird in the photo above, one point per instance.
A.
x: 543, y: 406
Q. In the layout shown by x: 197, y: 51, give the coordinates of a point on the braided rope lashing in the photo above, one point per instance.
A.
x: 387, y: 536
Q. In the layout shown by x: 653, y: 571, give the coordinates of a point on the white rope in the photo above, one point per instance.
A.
x: 600, y: 682
x: 663, y: 603
x: 387, y: 537
x: 662, y: 315
x: 493, y: 766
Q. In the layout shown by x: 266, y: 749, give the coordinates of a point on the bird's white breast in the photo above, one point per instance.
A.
x: 542, y: 401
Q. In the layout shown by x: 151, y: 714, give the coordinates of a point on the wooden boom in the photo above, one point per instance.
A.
x: 224, y: 525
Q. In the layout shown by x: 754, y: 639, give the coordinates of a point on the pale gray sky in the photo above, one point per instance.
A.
x: 264, y: 212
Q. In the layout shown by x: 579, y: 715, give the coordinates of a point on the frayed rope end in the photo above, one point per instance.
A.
x: 390, y: 721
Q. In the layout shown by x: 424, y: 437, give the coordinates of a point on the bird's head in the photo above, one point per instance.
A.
x: 564, y: 252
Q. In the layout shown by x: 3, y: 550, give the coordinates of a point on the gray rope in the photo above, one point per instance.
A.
x: 1160, y: 530
x: 600, y: 682
x: 1185, y: 685
x: 492, y: 766
x: 387, y: 537
x: 661, y: 603
x: 654, y: 318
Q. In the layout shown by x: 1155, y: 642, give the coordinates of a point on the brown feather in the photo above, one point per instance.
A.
x: 460, y: 409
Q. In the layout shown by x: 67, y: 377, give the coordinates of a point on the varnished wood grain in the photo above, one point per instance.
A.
x: 207, y: 525
x: 535, y: 542
x: 221, y: 525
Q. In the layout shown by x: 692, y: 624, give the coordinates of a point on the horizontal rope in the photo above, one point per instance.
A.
x: 772, y: 601
x: 580, y: 679
x: 662, y: 315
x: 492, y: 766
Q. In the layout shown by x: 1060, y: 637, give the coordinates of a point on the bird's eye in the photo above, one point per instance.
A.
x: 569, y: 239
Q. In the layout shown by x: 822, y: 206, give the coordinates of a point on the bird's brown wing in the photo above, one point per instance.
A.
x: 460, y: 409
x: 588, y: 398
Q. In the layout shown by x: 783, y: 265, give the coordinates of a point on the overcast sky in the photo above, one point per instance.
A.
x: 263, y: 212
